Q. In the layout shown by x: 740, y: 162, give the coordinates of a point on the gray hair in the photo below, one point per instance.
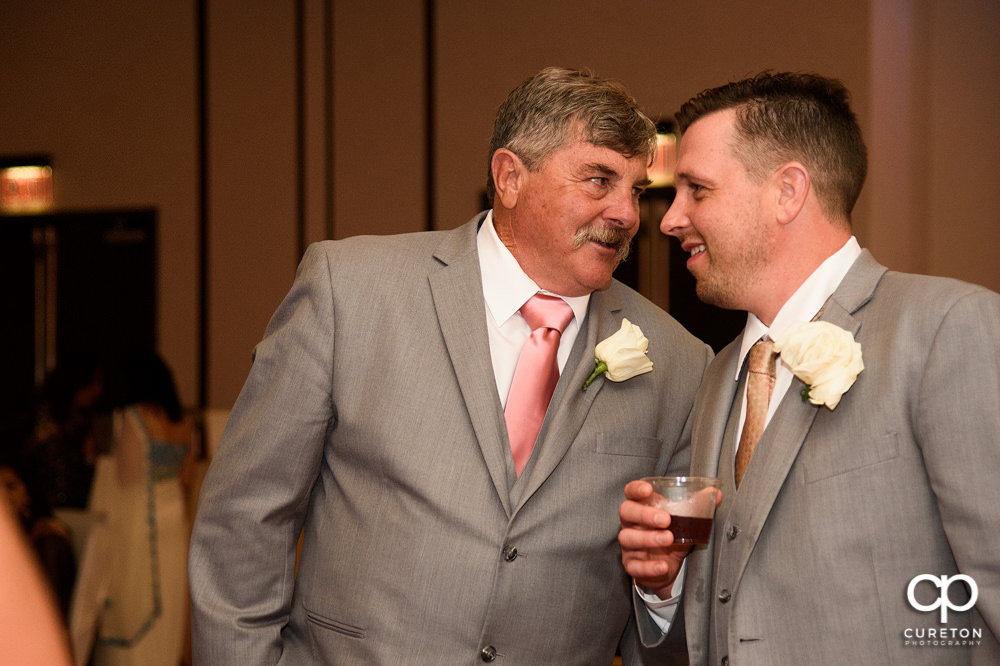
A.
x: 543, y: 114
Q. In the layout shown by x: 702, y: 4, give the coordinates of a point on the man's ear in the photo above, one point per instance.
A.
x: 508, y: 176
x: 793, y: 184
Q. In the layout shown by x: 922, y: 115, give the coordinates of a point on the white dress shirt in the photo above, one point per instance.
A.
x: 802, y: 306
x: 506, y: 288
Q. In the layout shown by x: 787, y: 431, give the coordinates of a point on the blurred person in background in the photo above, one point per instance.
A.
x: 141, y: 485
x: 63, y: 446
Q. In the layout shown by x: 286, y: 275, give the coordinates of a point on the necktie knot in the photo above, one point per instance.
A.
x: 543, y: 311
x: 761, y: 358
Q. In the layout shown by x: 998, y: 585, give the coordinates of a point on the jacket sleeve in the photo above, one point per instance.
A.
x: 255, y: 494
x: 957, y: 427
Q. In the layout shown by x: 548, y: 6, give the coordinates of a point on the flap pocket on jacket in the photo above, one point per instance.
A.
x: 334, y: 625
x: 829, y: 461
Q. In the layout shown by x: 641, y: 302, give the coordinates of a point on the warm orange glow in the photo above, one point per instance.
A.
x: 661, y: 171
x: 25, y: 188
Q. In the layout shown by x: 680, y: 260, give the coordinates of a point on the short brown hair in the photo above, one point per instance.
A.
x: 538, y: 117
x: 793, y: 116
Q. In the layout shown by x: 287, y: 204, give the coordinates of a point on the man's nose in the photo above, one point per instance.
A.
x: 623, y: 209
x: 675, y: 221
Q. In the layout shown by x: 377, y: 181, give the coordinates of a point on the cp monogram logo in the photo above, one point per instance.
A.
x: 943, y: 601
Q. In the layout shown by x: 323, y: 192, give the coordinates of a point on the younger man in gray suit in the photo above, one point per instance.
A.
x: 863, y: 529
x: 373, y: 417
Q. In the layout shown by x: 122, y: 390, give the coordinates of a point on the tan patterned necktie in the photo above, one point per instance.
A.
x: 761, y: 363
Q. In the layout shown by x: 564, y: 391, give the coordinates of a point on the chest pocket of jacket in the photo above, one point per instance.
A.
x: 829, y: 459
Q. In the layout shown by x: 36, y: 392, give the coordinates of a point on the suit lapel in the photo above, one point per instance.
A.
x: 458, y: 302
x: 713, y: 407
x: 857, y: 288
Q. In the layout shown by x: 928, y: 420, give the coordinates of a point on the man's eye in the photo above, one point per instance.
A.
x: 600, y: 180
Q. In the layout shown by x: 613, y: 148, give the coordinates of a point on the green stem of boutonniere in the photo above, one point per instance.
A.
x: 804, y: 392
x: 601, y: 367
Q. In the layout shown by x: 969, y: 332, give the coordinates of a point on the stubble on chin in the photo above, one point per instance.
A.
x: 730, y: 289
x: 714, y: 294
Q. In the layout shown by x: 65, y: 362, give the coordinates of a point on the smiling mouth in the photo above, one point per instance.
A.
x: 697, y: 249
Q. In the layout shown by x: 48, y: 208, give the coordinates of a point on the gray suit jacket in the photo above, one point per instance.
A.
x: 839, y: 510
x: 371, y: 418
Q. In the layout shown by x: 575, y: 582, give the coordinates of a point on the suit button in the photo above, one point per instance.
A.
x: 488, y: 653
x: 725, y: 661
x: 725, y: 596
x: 732, y: 532
x: 509, y: 553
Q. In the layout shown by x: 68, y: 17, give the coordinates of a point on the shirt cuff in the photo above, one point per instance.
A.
x: 662, y: 611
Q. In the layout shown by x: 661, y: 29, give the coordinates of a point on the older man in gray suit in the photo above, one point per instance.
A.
x: 861, y: 526
x: 374, y: 420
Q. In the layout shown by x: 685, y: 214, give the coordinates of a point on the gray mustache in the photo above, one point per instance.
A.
x: 616, y: 237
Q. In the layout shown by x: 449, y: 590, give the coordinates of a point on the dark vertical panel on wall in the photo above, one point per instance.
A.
x: 202, y: 103
x: 328, y: 111
x: 328, y: 108
x: 429, y: 71
x: 300, y: 129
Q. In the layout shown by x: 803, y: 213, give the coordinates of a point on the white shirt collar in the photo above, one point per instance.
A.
x: 506, y: 287
x: 806, y: 301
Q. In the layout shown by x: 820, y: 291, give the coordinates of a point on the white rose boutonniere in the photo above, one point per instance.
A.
x: 824, y: 356
x: 621, y: 356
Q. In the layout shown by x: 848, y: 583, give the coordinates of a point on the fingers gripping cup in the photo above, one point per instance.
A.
x: 690, y: 501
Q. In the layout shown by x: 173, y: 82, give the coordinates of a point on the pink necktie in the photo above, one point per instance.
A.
x: 761, y: 362
x: 536, y: 374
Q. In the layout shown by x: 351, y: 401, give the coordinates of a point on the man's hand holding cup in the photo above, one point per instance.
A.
x: 662, y: 518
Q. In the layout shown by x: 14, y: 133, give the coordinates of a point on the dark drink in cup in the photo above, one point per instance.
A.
x: 690, y: 501
x: 690, y: 530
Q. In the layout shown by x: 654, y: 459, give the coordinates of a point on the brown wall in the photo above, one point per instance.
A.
x: 107, y: 89
x: 110, y: 90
